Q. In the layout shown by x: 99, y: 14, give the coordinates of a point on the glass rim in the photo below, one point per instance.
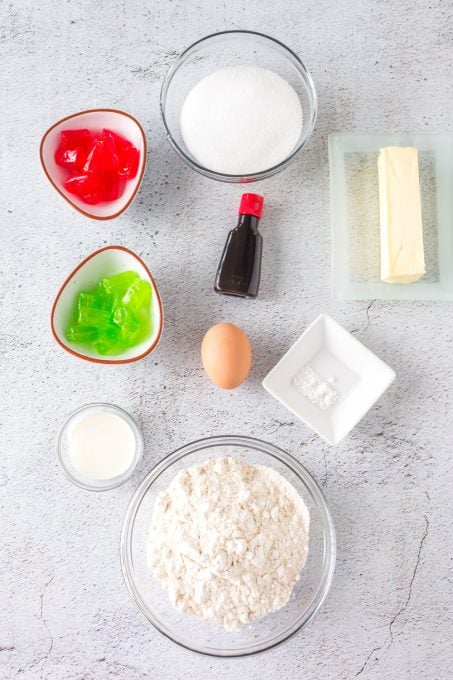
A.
x: 329, y: 554
x: 118, y: 479
x: 251, y: 177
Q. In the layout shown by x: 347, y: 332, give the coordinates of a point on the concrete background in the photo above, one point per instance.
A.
x: 65, y: 614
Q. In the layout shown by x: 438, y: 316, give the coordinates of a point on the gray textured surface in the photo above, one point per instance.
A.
x: 65, y: 614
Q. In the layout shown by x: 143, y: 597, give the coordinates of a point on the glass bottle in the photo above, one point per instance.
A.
x: 239, y: 268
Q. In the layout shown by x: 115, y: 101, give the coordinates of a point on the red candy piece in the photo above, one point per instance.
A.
x: 112, y: 186
x: 129, y: 156
x: 87, y: 187
x: 73, y: 149
x: 100, y: 164
x: 122, y: 144
x: 129, y: 163
x: 95, y: 188
x: 103, y: 157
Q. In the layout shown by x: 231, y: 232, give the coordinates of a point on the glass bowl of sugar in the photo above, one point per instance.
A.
x: 238, y: 106
x: 99, y: 446
x: 192, y: 626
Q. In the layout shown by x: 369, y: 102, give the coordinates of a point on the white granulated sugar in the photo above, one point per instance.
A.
x: 241, y: 120
x: 228, y: 541
x: 319, y: 392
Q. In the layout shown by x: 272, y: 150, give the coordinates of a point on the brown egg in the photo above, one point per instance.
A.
x: 226, y: 355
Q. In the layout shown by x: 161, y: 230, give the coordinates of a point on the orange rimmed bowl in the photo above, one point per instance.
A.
x: 94, y: 119
x: 104, y: 262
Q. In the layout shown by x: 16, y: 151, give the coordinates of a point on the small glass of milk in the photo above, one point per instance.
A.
x: 99, y: 446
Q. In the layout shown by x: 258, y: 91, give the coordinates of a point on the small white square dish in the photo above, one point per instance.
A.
x: 329, y: 379
x: 354, y: 187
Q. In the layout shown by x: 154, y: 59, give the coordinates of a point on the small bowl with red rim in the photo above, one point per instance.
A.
x: 96, y: 160
x: 102, y: 263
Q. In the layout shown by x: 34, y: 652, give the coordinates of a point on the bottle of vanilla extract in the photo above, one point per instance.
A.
x: 239, y: 268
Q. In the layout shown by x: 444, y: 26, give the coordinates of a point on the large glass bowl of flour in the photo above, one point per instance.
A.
x: 211, y: 638
x: 238, y: 106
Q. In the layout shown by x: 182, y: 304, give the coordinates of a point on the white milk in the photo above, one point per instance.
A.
x: 101, y: 445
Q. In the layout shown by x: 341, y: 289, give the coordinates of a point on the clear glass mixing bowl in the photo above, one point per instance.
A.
x: 212, y: 639
x: 234, y: 48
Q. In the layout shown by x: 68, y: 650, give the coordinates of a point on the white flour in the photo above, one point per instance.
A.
x: 241, y: 120
x: 228, y: 541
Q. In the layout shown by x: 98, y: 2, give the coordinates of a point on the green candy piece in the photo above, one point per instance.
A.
x: 103, y: 300
x: 107, y: 342
x: 93, y: 317
x: 129, y: 324
x: 119, y: 283
x: 86, y: 299
x: 81, y: 334
x: 114, y: 315
x: 138, y: 296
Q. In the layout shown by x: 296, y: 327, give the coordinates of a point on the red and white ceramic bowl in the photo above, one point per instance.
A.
x: 104, y: 262
x: 95, y: 119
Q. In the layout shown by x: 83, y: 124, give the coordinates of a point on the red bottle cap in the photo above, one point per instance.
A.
x: 251, y: 204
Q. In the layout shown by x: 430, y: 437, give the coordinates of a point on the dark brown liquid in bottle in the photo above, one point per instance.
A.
x: 239, y: 269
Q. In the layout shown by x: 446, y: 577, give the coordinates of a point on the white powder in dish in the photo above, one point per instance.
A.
x: 319, y: 392
x: 241, y: 120
x: 228, y: 541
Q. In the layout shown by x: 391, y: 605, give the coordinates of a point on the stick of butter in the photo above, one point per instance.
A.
x: 402, y: 255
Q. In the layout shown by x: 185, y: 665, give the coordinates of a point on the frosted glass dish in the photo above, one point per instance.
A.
x: 355, y: 216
